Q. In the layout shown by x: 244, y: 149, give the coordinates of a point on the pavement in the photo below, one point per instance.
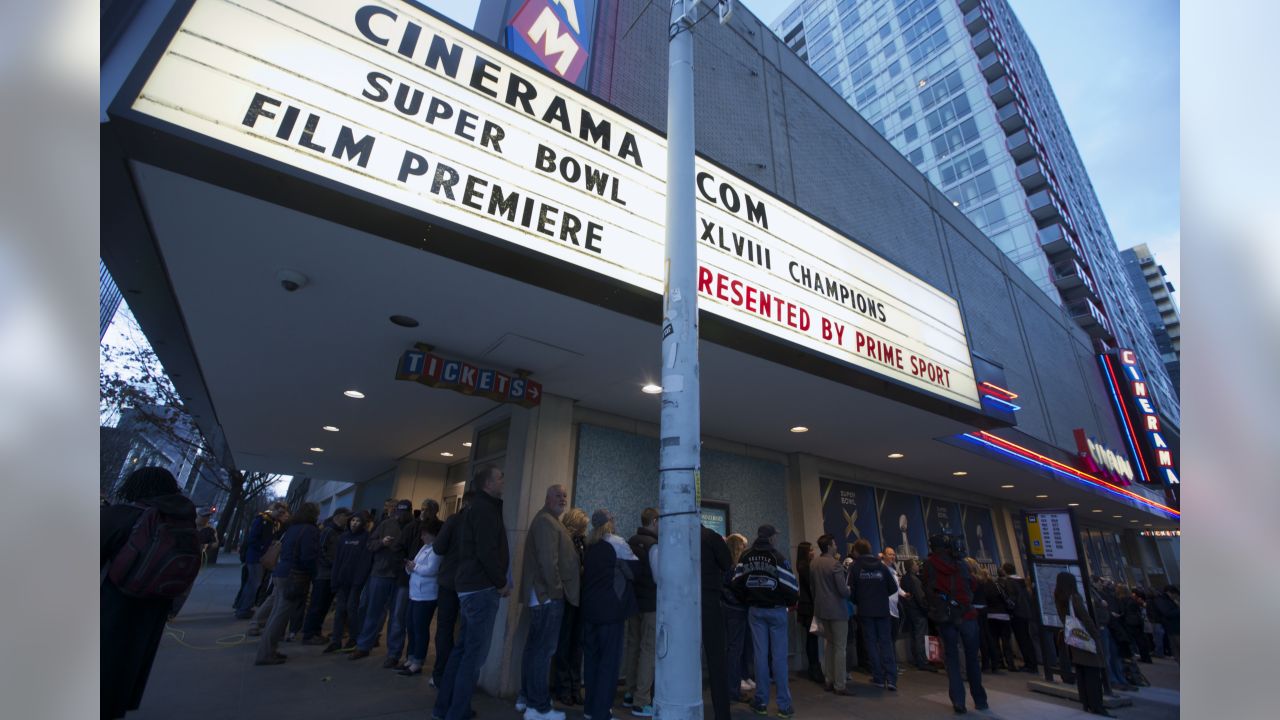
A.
x: 204, y: 669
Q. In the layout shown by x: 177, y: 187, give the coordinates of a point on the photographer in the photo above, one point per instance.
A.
x: 950, y: 588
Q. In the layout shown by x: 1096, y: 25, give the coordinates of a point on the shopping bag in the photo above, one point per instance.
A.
x: 1074, y: 633
x: 815, y: 626
x: 933, y: 648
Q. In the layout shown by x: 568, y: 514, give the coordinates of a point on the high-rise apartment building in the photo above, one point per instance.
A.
x: 1155, y: 297
x: 109, y: 298
x: 958, y: 88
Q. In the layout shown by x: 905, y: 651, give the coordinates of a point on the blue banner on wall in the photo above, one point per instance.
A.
x: 849, y: 513
x: 943, y: 517
x: 980, y: 536
x: 902, y: 524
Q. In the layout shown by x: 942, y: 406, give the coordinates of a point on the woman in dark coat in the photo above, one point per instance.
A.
x: 299, y: 553
x: 608, y: 599
x: 804, y: 612
x: 1088, y: 665
x: 132, y: 627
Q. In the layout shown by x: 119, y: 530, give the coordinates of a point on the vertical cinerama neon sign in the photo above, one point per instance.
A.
x: 1138, y: 414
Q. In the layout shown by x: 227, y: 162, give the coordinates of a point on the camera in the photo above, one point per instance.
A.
x: 291, y: 280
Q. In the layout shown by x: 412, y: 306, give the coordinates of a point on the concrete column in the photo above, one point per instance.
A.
x: 804, y: 513
x: 539, y: 455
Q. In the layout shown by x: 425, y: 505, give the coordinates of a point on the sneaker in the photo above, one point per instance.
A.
x: 902, y: 671
x: 553, y: 714
x: 521, y: 705
x: 253, y: 631
x: 628, y: 700
x: 391, y: 663
x: 759, y: 709
x: 891, y: 687
x: 846, y: 691
x: 982, y: 706
x: 751, y: 684
x: 331, y: 648
x: 358, y: 653
x: 646, y: 711
x: 786, y: 714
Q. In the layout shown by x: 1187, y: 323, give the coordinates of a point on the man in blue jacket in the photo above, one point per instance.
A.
x: 256, y: 541
x: 871, y: 584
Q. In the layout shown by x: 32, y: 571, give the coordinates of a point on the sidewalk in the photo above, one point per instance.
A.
x: 204, y: 670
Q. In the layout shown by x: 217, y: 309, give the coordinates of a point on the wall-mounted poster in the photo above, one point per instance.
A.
x: 715, y: 516
x: 1093, y: 551
x: 943, y: 517
x: 980, y: 536
x: 902, y: 524
x: 849, y: 513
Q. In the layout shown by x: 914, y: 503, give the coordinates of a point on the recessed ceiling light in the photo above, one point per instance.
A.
x: 1042, y: 496
x: 466, y: 444
x: 353, y: 394
x: 329, y: 428
x: 799, y: 429
x: 651, y: 389
x: 446, y: 454
x: 1133, y: 521
x: 1117, y: 516
x: 317, y: 449
x: 403, y: 321
x: 1146, y: 525
x: 1098, y: 510
x: 307, y: 462
x: 1073, y: 504
x: 960, y: 473
x: 1007, y: 487
x: 894, y: 456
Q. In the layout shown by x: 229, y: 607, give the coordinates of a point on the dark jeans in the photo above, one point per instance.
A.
x: 567, y: 665
x: 453, y: 696
x: 1089, y: 684
x: 420, y: 612
x: 446, y: 622
x: 878, y: 637
x: 1022, y: 631
x: 952, y: 637
x: 985, y: 643
x: 602, y: 658
x: 713, y: 645
x: 739, y: 659
x: 346, y: 613
x: 814, y: 670
x: 321, y: 599
x: 918, y: 627
x: 249, y: 591
x: 385, y: 599
x: 539, y: 646
x: 1002, y: 642
x: 855, y: 650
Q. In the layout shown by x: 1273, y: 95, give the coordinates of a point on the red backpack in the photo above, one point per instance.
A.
x: 162, y: 555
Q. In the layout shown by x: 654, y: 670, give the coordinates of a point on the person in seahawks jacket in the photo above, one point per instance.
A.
x: 765, y: 582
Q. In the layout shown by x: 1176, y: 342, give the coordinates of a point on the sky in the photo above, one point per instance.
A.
x: 1114, y: 68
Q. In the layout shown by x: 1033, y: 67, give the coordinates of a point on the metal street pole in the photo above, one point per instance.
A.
x: 678, y: 666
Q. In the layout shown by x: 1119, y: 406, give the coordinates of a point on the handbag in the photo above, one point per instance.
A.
x: 271, y: 557
x: 1074, y: 634
x: 815, y: 626
x: 933, y: 648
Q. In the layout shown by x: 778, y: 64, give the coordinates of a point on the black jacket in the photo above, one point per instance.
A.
x: 388, y: 560
x: 918, y: 603
x: 446, y: 546
x: 483, y: 556
x: 764, y: 579
x: 646, y: 588
x: 870, y: 585
x: 352, y: 560
x: 608, y: 591
x: 329, y: 534
x: 804, y: 606
x: 716, y: 561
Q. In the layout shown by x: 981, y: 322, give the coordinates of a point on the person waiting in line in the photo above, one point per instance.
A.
x: 385, y: 599
x: 829, y: 584
x: 889, y: 557
x: 322, y: 585
x: 715, y: 563
x: 299, y: 552
x: 641, y: 633
x: 1088, y: 664
x: 982, y: 598
x: 131, y: 627
x: 804, y: 612
x: 262, y: 530
x: 950, y: 589
x: 423, y: 592
x: 352, y: 561
x: 764, y: 580
x: 1134, y: 608
x: 871, y: 585
x: 1001, y: 599
x: 1170, y: 608
x: 567, y: 663
x: 740, y: 661
x: 208, y: 537
x: 915, y: 614
x: 1021, y: 616
x: 608, y: 599
x: 446, y: 546
x: 548, y: 582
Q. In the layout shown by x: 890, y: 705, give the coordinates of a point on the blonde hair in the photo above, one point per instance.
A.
x: 597, y: 534
x: 576, y: 521
x: 737, y: 543
x: 977, y: 570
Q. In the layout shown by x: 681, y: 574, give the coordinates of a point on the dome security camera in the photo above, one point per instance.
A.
x: 291, y: 280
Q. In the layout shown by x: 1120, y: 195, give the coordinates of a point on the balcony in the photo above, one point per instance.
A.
x: 1032, y: 176
x: 1001, y: 91
x: 1010, y: 118
x: 1020, y: 146
x: 1089, y: 317
x: 991, y: 67
x: 1068, y: 275
x: 1043, y: 206
x: 983, y: 43
x: 967, y: 5
x: 1057, y: 243
x: 974, y: 21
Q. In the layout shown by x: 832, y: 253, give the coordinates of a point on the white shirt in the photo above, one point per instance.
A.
x: 893, y: 599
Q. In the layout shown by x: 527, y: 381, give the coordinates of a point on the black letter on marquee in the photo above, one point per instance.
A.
x: 629, y: 147
x: 480, y: 73
x: 446, y: 178
x: 591, y: 132
x: 546, y: 160
x: 413, y: 164
x: 705, y: 176
x: 255, y: 108
x: 366, y: 13
x: 450, y: 55
x: 500, y: 204
x: 380, y: 93
x: 347, y: 145
x: 756, y: 214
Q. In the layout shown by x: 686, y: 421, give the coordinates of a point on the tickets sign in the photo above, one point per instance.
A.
x: 429, y: 369
x: 393, y: 101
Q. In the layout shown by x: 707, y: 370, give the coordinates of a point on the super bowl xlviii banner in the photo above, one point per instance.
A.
x: 980, y: 536
x: 942, y: 517
x: 902, y: 524
x: 849, y: 514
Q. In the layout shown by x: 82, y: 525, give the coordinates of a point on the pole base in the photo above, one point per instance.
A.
x: 674, y: 711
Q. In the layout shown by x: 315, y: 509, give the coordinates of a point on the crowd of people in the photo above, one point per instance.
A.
x: 590, y: 598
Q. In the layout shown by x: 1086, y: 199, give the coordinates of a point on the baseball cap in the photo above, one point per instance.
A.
x: 766, y: 531
x: 600, y: 518
x: 404, y: 506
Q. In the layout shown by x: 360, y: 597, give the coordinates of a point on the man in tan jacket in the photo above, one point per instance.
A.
x: 548, y: 577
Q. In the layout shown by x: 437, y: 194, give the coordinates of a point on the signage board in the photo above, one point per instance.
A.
x: 849, y: 513
x: 397, y: 103
x: 1096, y: 458
x: 1046, y: 578
x: 1140, y: 418
x: 1050, y: 536
x: 422, y: 366
x: 555, y: 35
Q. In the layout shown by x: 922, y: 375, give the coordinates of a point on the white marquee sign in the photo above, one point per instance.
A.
x: 398, y: 103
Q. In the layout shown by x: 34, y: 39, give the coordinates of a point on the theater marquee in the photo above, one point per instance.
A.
x: 393, y: 101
